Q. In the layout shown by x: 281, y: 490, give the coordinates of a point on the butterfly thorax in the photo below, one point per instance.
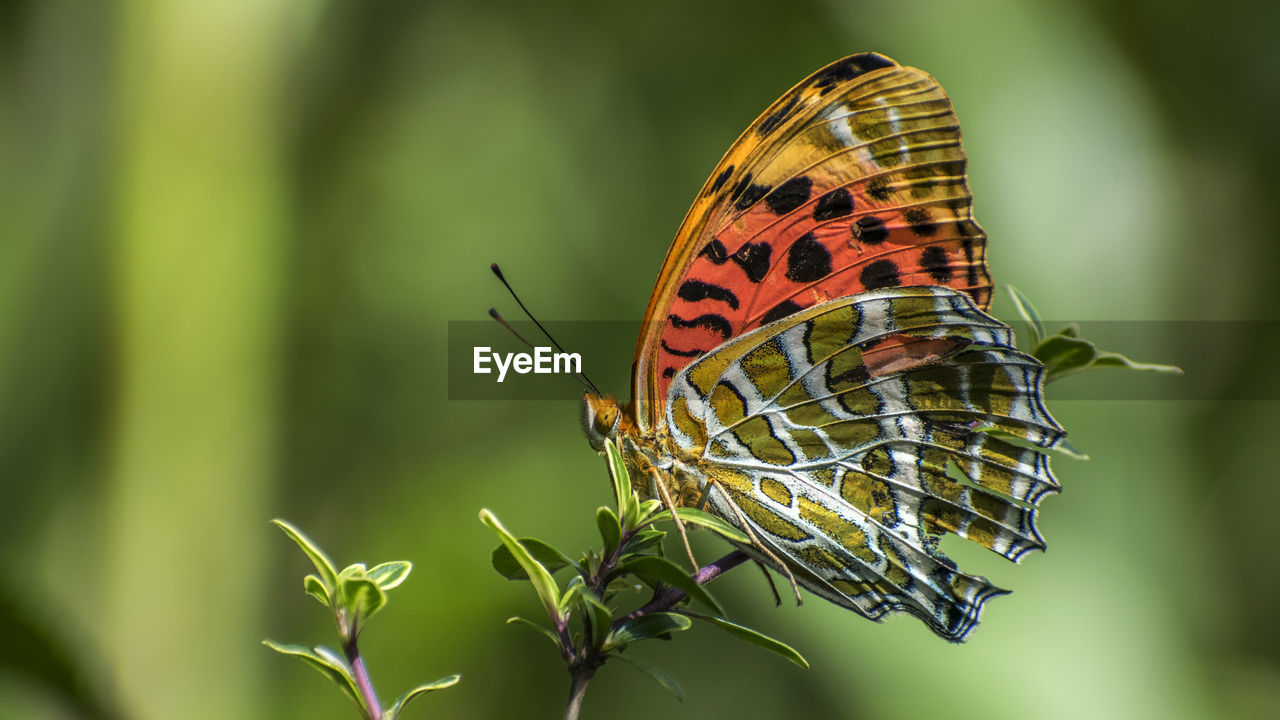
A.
x: 646, y: 454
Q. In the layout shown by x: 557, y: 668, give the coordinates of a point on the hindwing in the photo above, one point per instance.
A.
x: 853, y: 434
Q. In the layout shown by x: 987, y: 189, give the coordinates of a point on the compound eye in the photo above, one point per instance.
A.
x: 605, y: 421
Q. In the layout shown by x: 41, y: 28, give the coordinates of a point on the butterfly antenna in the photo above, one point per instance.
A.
x: 582, y: 377
x: 493, y: 313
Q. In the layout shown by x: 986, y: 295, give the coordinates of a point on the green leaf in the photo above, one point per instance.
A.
x: 664, y: 679
x: 316, y: 589
x: 546, y: 554
x: 572, y: 590
x: 363, y: 598
x: 663, y: 570
x: 601, y: 618
x: 347, y: 573
x: 390, y: 574
x: 645, y: 627
x: 644, y: 539
x: 393, y: 710
x: 628, y: 503
x: 618, y: 475
x: 1062, y: 446
x: 534, y: 626
x: 1116, y: 360
x: 1064, y: 354
x: 324, y: 660
x: 1070, y: 450
x: 505, y: 563
x: 711, y: 522
x: 610, y: 530
x: 1028, y: 313
x: 630, y: 518
x: 324, y: 566
x: 649, y: 507
x: 755, y: 637
x: 538, y: 574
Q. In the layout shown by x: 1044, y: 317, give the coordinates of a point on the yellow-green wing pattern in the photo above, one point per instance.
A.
x: 832, y: 431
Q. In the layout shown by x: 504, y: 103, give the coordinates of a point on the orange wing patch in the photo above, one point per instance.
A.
x: 852, y: 181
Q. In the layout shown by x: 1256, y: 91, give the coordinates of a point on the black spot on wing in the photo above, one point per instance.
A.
x: 972, y: 275
x: 668, y: 372
x: 721, y: 179
x: 715, y: 252
x: 807, y: 260
x: 880, y: 274
x: 878, y: 189
x: 711, y: 321
x: 921, y: 222
x: 696, y: 290
x: 934, y: 261
x: 777, y: 117
x: 779, y: 311
x: 848, y: 69
x: 834, y: 204
x: 869, y: 230
x: 681, y: 353
x: 750, y: 196
x: 753, y: 258
x: 789, y: 195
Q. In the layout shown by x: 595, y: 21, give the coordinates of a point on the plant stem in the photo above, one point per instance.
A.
x: 669, y: 596
x: 583, y: 663
x: 567, y: 650
x: 577, y: 690
x: 363, y: 681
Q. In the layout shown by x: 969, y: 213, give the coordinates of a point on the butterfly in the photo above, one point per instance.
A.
x: 816, y: 365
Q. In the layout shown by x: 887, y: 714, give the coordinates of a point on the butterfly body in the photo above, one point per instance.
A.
x: 816, y: 363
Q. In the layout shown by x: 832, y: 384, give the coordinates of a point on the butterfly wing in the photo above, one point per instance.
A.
x: 853, y: 180
x: 831, y: 432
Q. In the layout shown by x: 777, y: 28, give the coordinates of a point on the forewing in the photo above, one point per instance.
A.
x: 854, y: 434
x: 853, y: 180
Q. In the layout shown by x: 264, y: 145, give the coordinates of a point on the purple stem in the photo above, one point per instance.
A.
x: 581, y: 669
x: 667, y: 599
x: 363, y: 683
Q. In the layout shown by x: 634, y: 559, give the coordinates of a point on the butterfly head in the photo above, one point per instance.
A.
x: 601, y: 418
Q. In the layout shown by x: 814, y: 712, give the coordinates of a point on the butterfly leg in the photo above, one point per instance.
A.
x: 755, y: 542
x: 777, y: 599
x: 671, y: 505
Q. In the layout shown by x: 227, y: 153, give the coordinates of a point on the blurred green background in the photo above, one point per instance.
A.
x: 232, y: 234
